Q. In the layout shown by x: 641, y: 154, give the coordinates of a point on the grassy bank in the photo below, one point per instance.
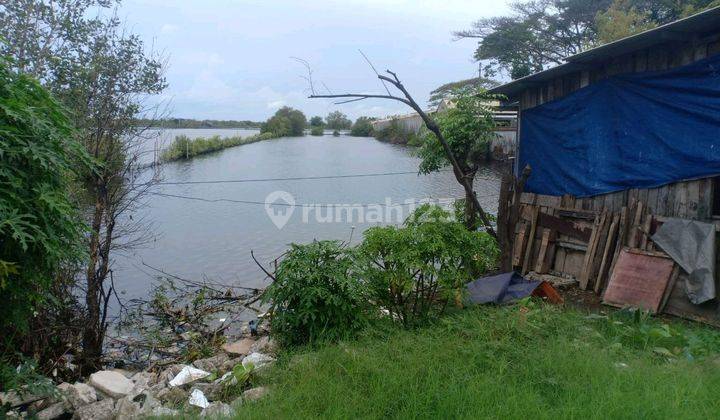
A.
x: 185, y: 148
x: 523, y: 361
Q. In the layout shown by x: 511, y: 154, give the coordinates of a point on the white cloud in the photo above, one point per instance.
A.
x: 169, y: 29
x: 275, y: 104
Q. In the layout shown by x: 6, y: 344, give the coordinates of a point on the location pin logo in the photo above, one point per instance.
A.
x: 279, y: 206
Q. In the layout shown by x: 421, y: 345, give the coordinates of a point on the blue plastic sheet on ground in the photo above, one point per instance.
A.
x: 639, y: 130
x: 501, y: 288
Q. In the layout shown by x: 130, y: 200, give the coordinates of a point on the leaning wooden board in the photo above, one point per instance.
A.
x: 639, y: 280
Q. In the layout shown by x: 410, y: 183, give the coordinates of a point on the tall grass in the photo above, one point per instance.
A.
x: 522, y: 361
x: 185, y: 148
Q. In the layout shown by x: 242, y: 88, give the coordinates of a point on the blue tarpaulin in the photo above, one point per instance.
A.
x: 639, y: 130
x: 501, y: 288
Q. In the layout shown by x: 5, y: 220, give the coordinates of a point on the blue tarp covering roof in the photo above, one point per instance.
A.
x: 639, y: 130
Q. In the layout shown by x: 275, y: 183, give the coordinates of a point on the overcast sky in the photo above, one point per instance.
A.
x: 231, y: 59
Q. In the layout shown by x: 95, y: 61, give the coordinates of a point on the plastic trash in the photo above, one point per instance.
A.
x: 257, y: 360
x: 197, y: 398
x: 188, y: 374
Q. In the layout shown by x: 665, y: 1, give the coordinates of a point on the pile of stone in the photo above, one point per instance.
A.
x: 119, y: 394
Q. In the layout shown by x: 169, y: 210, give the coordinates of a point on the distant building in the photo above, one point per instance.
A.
x: 502, y: 147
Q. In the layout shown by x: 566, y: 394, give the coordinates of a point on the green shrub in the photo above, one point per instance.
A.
x: 40, y: 228
x: 317, y: 131
x: 362, y: 127
x: 396, y: 134
x: 314, y: 296
x: 185, y: 148
x: 415, y: 270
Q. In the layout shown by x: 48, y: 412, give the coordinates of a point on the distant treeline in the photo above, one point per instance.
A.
x: 189, y: 123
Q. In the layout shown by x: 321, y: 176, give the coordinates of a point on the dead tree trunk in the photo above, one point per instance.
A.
x: 465, y: 179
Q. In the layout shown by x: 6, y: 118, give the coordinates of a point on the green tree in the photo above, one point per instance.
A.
x: 541, y: 33
x: 316, y: 121
x: 336, y: 120
x: 82, y: 52
x: 468, y: 128
x: 622, y: 20
x: 286, y: 122
x: 40, y: 228
x: 362, y: 127
x: 446, y: 91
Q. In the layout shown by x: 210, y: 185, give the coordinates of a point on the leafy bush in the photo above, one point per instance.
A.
x: 184, y: 147
x: 286, y: 122
x: 362, y: 127
x: 635, y: 329
x: 396, y: 134
x: 40, y: 228
x: 314, y: 296
x: 415, y: 270
x: 317, y: 131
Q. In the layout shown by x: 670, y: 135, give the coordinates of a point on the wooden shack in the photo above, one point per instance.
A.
x: 580, y: 238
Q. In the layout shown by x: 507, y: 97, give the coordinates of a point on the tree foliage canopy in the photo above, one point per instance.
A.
x: 468, y: 127
x: 362, y: 127
x: 286, y: 122
x: 40, y: 229
x: 542, y: 33
x: 447, y: 90
x: 336, y: 120
x: 317, y: 121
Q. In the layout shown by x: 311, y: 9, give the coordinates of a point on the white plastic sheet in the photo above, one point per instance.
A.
x: 188, y: 374
x: 197, y: 398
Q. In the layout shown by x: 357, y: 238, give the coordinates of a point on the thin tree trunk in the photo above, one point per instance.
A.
x: 91, y: 350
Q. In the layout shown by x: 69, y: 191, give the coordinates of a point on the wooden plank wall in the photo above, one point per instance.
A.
x: 691, y: 200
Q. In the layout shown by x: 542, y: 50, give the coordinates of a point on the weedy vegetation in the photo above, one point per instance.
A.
x: 530, y: 360
x: 183, y: 147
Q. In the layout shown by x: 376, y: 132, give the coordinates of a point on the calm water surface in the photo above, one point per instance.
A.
x: 200, y: 239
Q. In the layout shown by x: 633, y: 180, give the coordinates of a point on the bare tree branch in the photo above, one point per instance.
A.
x: 460, y: 175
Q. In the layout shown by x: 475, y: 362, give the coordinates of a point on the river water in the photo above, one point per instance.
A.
x: 206, y: 229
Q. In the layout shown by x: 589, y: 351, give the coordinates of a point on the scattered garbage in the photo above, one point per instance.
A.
x: 188, y: 374
x: 198, y: 399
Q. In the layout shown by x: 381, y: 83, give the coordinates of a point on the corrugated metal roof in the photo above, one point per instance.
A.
x: 680, y: 30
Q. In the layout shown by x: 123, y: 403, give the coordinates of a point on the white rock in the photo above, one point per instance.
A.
x: 188, y: 374
x: 138, y: 406
x: 217, y: 410
x: 255, y: 394
x: 111, y: 383
x: 142, y: 381
x: 211, y: 364
x: 257, y: 360
x: 241, y: 347
x: 164, y: 412
x: 101, y: 410
x: 197, y: 398
x: 54, y: 411
x: 79, y: 395
x: 264, y: 345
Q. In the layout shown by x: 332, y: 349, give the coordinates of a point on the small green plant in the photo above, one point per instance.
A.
x: 415, y: 270
x: 635, y: 329
x: 314, y: 296
x: 317, y: 131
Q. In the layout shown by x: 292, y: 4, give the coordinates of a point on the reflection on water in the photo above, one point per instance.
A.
x: 199, y: 239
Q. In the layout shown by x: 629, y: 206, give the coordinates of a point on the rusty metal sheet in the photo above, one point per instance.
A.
x: 639, y: 280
